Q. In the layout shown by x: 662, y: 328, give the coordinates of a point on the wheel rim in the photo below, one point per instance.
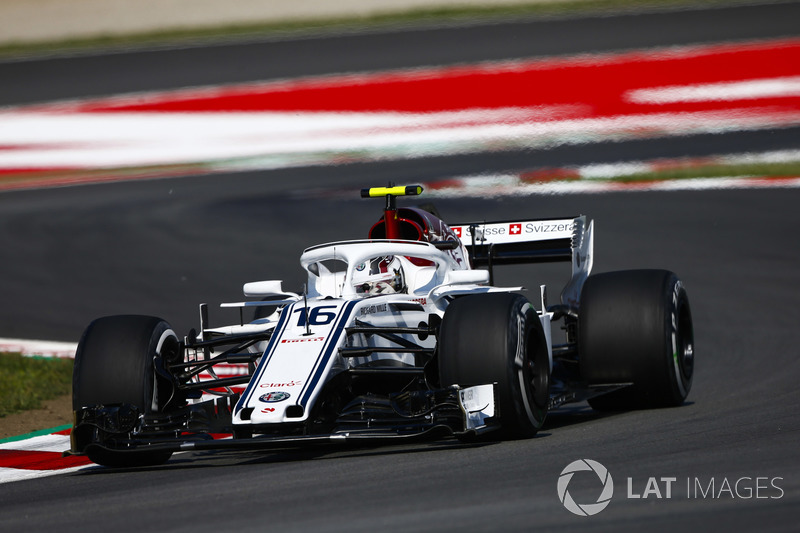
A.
x: 685, y: 352
x: 535, y: 373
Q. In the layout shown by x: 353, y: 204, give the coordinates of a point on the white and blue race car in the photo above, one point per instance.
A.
x: 399, y: 336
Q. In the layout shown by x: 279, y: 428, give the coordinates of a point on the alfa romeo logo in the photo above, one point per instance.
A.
x: 274, y: 396
x: 585, y: 509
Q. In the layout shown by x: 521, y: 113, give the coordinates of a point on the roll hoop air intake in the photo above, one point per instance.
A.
x: 390, y: 211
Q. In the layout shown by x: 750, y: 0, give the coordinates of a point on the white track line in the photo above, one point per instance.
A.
x: 37, y: 347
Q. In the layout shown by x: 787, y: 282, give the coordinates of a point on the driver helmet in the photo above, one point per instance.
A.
x: 379, y: 275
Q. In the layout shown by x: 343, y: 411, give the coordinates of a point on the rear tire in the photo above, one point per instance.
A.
x: 636, y: 326
x: 488, y: 338
x: 114, y: 365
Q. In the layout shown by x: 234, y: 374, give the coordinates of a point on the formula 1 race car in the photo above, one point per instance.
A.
x: 399, y: 336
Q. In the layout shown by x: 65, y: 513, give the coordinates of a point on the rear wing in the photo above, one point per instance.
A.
x: 532, y: 241
x: 517, y: 241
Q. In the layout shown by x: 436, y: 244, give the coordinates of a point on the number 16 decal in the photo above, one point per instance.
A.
x: 316, y: 316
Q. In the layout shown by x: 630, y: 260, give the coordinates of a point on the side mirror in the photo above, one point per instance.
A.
x: 464, y: 277
x: 265, y: 289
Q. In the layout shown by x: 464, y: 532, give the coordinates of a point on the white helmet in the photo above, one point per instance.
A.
x: 379, y: 275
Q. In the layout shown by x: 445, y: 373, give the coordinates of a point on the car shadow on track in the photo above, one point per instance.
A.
x: 563, y: 417
x: 573, y: 414
x: 581, y: 413
x: 222, y: 458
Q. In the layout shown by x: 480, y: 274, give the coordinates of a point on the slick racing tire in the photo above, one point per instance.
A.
x: 635, y: 327
x: 114, y: 365
x: 498, y: 338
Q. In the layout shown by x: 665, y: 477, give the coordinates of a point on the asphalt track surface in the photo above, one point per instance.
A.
x: 162, y: 246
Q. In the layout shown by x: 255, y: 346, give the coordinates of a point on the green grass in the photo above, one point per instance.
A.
x: 26, y: 382
x: 435, y: 15
x: 718, y: 171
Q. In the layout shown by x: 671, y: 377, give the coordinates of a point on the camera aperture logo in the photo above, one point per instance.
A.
x: 606, y: 492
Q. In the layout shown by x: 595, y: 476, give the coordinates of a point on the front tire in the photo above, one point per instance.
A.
x: 635, y: 327
x: 114, y: 365
x: 498, y: 338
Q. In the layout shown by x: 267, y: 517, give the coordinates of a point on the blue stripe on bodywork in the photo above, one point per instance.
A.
x: 322, y: 362
x: 273, y: 342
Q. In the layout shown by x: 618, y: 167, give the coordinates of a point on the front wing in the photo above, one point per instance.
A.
x: 455, y: 412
